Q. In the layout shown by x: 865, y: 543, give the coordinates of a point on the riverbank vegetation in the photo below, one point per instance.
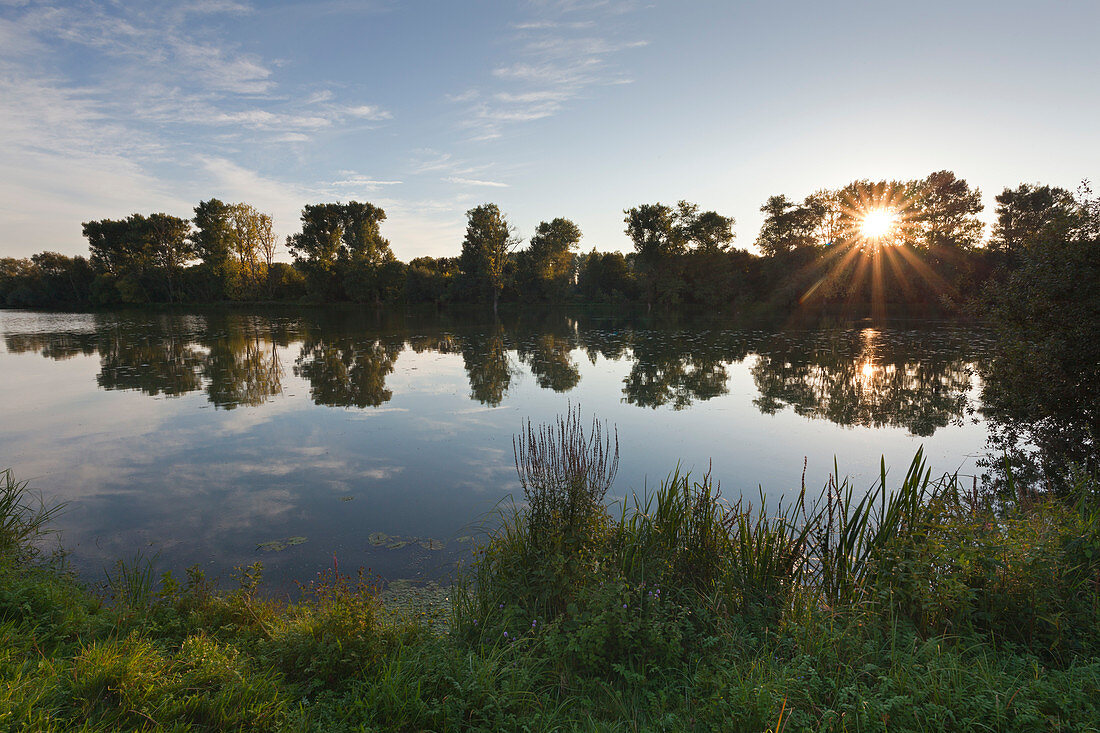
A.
x: 918, y: 604
x: 868, y: 244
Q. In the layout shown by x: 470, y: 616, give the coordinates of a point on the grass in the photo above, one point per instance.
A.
x: 911, y: 606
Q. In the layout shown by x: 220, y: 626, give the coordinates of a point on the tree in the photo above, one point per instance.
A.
x: 826, y: 207
x: 550, y: 259
x: 112, y: 246
x: 653, y: 230
x: 605, y: 276
x: 946, y: 213
x: 268, y: 246
x: 317, y: 247
x: 710, y: 231
x: 167, y: 241
x: 1031, y: 214
x: 1042, y: 388
x: 133, y: 256
x: 251, y: 230
x: 370, y: 265
x: 342, y: 251
x: 485, y: 249
x: 215, y: 243
x: 659, y: 241
x: 787, y: 226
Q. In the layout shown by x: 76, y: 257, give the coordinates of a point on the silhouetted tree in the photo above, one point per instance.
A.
x: 485, y: 249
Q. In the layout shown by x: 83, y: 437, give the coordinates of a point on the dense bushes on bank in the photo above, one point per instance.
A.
x: 914, y: 606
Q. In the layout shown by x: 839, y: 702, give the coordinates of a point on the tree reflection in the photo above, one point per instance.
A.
x: 864, y: 379
x: 348, y: 372
x: 549, y: 358
x: 848, y: 377
x: 153, y: 365
x: 242, y: 365
x: 488, y: 365
x: 680, y: 369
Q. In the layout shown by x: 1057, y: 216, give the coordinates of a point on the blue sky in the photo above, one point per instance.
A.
x: 575, y: 108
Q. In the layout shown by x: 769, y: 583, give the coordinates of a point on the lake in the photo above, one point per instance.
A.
x: 298, y: 437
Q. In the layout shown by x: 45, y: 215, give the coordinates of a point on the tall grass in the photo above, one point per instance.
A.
x: 24, y: 517
x: 921, y: 551
x: 911, y: 606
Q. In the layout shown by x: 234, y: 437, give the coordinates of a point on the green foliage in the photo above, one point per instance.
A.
x: 486, y: 248
x: 914, y: 606
x: 546, y: 269
x: 1042, y: 389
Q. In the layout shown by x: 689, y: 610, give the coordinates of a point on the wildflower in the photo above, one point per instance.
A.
x: 624, y: 605
x: 505, y: 634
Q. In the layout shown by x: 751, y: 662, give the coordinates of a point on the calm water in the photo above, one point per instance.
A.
x: 382, y: 439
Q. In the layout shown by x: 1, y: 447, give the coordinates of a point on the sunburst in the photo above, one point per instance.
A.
x: 877, y: 223
x: 877, y: 227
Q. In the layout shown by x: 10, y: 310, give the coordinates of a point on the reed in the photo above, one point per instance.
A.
x: 24, y: 516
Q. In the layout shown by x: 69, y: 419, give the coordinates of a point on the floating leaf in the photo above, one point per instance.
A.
x: 280, y: 545
x: 430, y: 544
x: 396, y: 544
x: 346, y: 498
x: 378, y: 538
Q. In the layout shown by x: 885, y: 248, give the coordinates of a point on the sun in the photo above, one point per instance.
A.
x: 877, y: 223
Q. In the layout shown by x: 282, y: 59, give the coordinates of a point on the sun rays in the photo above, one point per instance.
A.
x: 877, y: 223
x: 876, y: 254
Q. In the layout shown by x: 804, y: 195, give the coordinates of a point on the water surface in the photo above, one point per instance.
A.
x: 380, y: 440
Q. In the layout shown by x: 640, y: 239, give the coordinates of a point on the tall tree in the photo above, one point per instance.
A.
x: 946, y: 210
x: 551, y: 256
x: 1031, y: 214
x: 659, y: 240
x: 135, y: 256
x: 710, y: 231
x: 787, y: 226
x: 167, y: 242
x: 252, y: 232
x: 317, y: 248
x: 485, y: 249
x: 215, y: 243
x: 369, y: 257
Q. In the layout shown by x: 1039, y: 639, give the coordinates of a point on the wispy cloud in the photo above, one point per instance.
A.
x: 107, y: 95
x: 559, y: 57
x: 356, y: 182
x: 475, y: 182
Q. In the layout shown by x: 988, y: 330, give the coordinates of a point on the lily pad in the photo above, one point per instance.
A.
x: 378, y: 538
x: 280, y: 545
x: 347, y: 498
x: 396, y: 544
x: 430, y: 544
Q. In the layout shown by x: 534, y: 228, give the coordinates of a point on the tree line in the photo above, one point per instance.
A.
x: 816, y: 250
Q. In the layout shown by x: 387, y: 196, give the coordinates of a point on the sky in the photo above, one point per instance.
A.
x: 573, y: 108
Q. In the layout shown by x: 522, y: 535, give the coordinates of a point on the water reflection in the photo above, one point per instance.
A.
x: 678, y: 369
x: 919, y: 381
x: 488, y: 365
x: 347, y: 372
x: 115, y: 423
x: 866, y: 378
